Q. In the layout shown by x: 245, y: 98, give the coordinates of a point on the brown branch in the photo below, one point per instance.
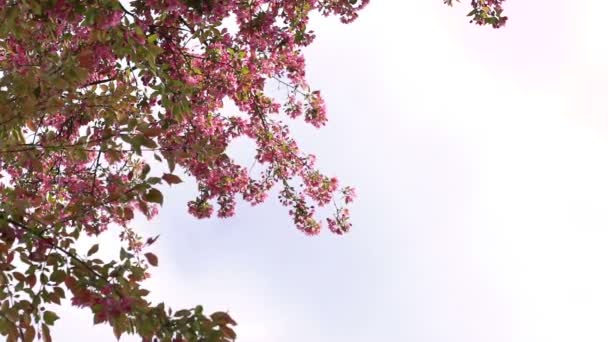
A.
x: 105, y: 80
x: 29, y: 147
x: 95, y: 172
x: 76, y: 148
x: 50, y: 242
x: 183, y: 21
x: 295, y: 88
x: 126, y: 10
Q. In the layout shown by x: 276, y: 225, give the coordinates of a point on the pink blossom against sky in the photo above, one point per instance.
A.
x: 480, y: 157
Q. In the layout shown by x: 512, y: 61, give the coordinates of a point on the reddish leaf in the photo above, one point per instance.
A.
x: 228, y: 332
x: 128, y: 213
x: 19, y: 276
x: 31, y: 280
x: 30, y: 334
x: 222, y: 318
x: 46, y: 334
x: 150, y: 241
x: 152, y: 131
x: 171, y: 179
x: 152, y: 259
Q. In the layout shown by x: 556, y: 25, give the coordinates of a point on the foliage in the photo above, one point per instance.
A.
x: 485, y: 12
x: 91, y: 90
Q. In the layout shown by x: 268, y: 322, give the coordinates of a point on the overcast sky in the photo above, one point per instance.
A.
x: 481, y: 163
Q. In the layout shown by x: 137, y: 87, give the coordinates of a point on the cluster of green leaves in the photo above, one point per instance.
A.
x: 485, y: 12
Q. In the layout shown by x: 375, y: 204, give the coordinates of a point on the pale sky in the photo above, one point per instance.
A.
x: 480, y: 158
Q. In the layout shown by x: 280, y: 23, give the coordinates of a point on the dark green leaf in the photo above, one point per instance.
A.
x: 93, y: 249
x: 154, y: 195
x: 49, y: 317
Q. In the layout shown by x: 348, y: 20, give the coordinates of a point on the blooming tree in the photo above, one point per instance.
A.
x: 91, y: 90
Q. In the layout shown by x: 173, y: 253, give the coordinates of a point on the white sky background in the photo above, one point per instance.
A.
x: 481, y: 160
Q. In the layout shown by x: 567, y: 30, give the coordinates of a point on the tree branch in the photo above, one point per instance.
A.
x: 105, y: 80
x: 63, y: 250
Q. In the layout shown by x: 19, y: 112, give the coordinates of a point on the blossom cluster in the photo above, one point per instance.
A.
x: 89, y: 91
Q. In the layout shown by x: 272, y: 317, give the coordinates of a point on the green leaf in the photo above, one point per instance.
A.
x: 154, y: 195
x: 154, y: 180
x: 58, y: 276
x: 93, y: 249
x: 36, y: 8
x: 152, y: 38
x: 124, y: 254
x: 198, y: 309
x: 182, y: 313
x: 171, y: 162
x: 120, y: 326
x: 49, y: 317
